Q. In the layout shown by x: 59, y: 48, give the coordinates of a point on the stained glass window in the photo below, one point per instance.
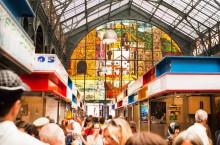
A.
x: 139, y: 46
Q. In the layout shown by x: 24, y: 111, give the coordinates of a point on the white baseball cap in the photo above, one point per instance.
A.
x: 41, y: 122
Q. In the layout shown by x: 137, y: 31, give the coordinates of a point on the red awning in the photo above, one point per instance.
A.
x: 46, y: 82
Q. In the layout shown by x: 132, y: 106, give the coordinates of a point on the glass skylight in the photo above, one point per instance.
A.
x: 202, y: 14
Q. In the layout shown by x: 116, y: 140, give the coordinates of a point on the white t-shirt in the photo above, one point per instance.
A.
x: 10, y: 135
x: 200, y: 130
x: 77, y: 129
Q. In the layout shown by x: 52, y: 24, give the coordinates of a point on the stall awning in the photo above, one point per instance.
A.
x: 184, y: 83
x: 46, y: 82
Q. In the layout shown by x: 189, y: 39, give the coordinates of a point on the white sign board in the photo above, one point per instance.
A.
x: 120, y: 96
x: 69, y: 93
x: 125, y: 101
x: 136, y: 85
x: 48, y: 63
x: 195, y: 82
x: 74, y: 89
x: 14, y: 42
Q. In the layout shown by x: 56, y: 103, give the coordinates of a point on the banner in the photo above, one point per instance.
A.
x: 14, y: 42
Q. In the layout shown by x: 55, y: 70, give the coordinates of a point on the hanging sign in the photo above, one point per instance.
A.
x: 125, y: 101
x: 48, y: 63
x: 14, y: 42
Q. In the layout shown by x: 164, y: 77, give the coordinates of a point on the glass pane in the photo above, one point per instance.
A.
x: 139, y: 46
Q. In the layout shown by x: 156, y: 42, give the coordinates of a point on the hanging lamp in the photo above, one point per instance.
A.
x: 110, y: 36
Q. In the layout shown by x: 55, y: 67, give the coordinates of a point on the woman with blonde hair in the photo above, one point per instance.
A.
x: 116, y: 132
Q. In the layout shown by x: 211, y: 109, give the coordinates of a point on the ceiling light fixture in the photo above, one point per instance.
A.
x: 110, y: 36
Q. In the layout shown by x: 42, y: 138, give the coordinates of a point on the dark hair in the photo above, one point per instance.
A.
x: 88, y: 119
x: 95, y: 119
x: 145, y: 138
x: 8, y: 99
x: 102, y: 120
x: 32, y: 130
x: 21, y: 124
x: 172, y: 127
x: 109, y: 116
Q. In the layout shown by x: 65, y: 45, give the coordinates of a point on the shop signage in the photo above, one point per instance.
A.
x: 48, y: 63
x: 133, y: 98
x: 125, y: 101
x: 14, y: 42
x: 135, y: 86
x: 69, y: 93
x: 185, y: 82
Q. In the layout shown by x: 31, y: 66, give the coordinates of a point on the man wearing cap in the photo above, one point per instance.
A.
x: 11, y: 90
x: 40, y: 122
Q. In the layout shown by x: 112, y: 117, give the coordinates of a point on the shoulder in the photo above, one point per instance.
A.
x: 25, y: 139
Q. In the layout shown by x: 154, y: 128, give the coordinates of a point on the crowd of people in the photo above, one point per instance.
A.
x: 90, y: 131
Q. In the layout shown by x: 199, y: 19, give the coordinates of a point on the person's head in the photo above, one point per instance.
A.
x: 11, y: 90
x: 96, y: 127
x: 173, y: 129
x: 52, y: 134
x: 88, y: 122
x: 95, y: 119
x: 64, y: 123
x: 201, y: 116
x: 75, y: 116
x: 133, y: 126
x: 109, y: 116
x: 145, y: 138
x: 116, y: 132
x: 32, y: 130
x: 102, y: 120
x: 187, y: 138
x: 21, y: 125
x: 40, y: 122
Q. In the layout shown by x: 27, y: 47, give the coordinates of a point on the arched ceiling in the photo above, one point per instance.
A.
x: 183, y: 20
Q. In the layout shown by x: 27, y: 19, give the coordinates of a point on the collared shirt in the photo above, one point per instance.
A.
x: 10, y: 135
x: 200, y: 130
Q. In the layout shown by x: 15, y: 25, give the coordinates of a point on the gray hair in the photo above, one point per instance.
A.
x: 51, y: 133
x: 191, y: 137
x: 201, y: 115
